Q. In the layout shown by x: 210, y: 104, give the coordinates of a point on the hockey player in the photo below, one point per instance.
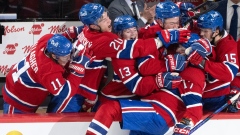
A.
x: 127, y: 74
x: 235, y: 87
x: 167, y: 17
x: 192, y: 87
x: 44, y: 70
x: 127, y: 83
x: 97, y: 36
x: 222, y: 65
x: 73, y: 103
x: 154, y: 114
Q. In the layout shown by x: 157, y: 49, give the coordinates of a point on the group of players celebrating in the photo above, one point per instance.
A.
x: 161, y: 76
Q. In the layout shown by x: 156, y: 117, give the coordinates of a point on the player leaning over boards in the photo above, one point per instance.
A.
x: 235, y: 87
x: 48, y: 68
x: 97, y: 36
x: 158, y: 111
x: 221, y: 66
x: 190, y: 90
x: 127, y: 83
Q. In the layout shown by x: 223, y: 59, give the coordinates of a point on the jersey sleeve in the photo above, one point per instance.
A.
x: 111, y: 46
x: 225, y: 66
x: 58, y: 85
x: 130, y: 77
x: 149, y: 31
x: 91, y: 81
x: 131, y: 49
x: 150, y: 65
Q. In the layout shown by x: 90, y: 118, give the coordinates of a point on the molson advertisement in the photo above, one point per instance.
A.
x: 20, y: 36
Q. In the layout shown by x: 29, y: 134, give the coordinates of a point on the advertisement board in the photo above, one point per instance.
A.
x: 19, y: 36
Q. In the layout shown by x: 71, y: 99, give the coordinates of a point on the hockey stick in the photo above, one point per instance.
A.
x: 230, y: 101
x: 211, y: 6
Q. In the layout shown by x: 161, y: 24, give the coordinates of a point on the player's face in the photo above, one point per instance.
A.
x: 105, y: 23
x: 63, y: 60
x: 130, y: 33
x: 206, y: 33
x: 171, y: 23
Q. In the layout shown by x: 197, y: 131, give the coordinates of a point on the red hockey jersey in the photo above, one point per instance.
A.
x: 107, y: 44
x: 223, y: 69
x: 32, y: 79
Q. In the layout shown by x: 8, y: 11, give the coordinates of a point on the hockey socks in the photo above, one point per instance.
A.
x: 107, y: 113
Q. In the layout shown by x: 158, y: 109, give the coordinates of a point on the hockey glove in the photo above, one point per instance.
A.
x: 196, y: 59
x: 183, y: 127
x: 176, y: 62
x: 72, y: 32
x: 235, y: 106
x: 83, y: 55
x: 81, y: 61
x: 185, y: 6
x: 186, y: 9
x: 77, y: 69
x: 168, y: 80
x: 88, y: 104
x: 198, y: 51
x: 173, y: 36
x: 202, y: 46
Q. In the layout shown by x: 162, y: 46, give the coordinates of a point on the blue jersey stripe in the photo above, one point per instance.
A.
x: 126, y: 53
x: 15, y: 98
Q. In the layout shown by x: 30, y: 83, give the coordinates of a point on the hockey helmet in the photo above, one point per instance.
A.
x: 167, y: 9
x: 185, y: 14
x: 124, y: 22
x: 210, y: 20
x: 59, y: 45
x: 90, y: 13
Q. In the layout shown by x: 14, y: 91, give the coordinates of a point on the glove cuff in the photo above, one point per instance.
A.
x: 159, y: 81
x: 202, y: 64
x: 158, y: 42
x: 77, y: 69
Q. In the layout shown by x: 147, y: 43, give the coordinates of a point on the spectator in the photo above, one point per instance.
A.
x: 226, y: 10
x: 143, y: 14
